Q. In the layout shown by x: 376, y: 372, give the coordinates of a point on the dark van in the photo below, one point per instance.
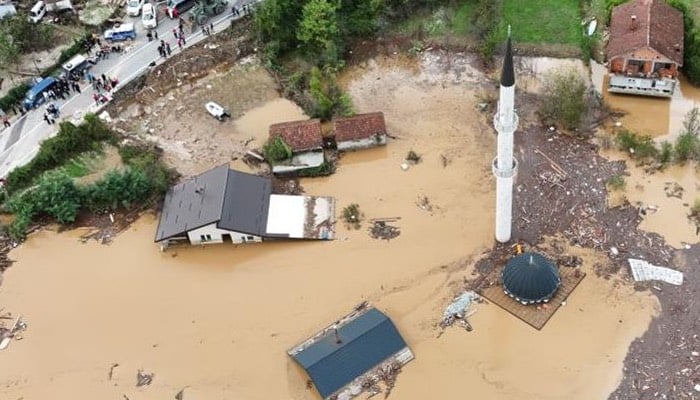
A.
x: 175, y: 8
x: 35, y: 95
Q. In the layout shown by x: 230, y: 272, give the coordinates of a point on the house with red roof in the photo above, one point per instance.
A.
x: 361, y: 131
x: 645, y: 50
x: 305, y: 140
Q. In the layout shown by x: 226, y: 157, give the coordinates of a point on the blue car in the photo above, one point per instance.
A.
x: 35, y: 95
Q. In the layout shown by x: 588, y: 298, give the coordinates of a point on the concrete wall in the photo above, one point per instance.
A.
x: 211, y: 234
x: 372, y: 141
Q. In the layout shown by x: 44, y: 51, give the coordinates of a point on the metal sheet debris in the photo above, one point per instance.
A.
x: 644, y: 271
x: 458, y: 308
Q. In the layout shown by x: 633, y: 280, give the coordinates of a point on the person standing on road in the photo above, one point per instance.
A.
x: 167, y: 48
x: 6, y: 122
x: 179, y: 44
x: 47, y: 119
x: 175, y: 32
x: 211, y: 28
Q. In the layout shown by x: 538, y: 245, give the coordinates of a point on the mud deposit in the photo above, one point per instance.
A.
x: 218, y: 320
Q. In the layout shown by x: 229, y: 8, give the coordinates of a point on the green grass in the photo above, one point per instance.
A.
x: 82, y: 165
x: 440, y: 21
x: 544, y: 21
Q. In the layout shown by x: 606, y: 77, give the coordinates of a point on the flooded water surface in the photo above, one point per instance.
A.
x: 219, y: 319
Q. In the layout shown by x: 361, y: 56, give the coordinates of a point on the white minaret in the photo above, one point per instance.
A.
x: 504, y: 165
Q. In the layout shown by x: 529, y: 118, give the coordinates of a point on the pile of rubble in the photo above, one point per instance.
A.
x: 381, y: 229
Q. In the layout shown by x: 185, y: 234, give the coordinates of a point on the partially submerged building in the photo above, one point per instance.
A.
x: 360, y: 131
x: 645, y: 50
x: 306, y: 142
x: 350, y: 352
x: 224, y: 205
x: 530, y: 278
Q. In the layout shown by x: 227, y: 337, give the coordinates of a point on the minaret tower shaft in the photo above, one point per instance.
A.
x: 504, y: 165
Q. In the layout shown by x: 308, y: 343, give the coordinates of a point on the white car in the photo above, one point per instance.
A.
x: 133, y: 7
x: 149, y: 18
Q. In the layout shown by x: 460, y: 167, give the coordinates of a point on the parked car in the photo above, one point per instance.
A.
x: 37, y: 12
x: 35, y: 95
x: 149, y: 17
x: 76, y: 65
x: 133, y: 7
x: 120, y: 32
x: 175, y: 8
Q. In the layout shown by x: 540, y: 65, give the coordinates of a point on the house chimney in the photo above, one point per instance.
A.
x: 199, y: 190
x: 633, y: 23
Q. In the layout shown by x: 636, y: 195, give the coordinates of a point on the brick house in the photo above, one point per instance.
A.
x: 360, y: 131
x: 645, y: 50
x: 306, y: 141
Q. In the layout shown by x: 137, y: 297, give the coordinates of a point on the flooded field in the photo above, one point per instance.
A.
x: 218, y: 320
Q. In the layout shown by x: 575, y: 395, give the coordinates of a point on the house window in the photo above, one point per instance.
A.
x: 205, y: 238
x: 250, y: 238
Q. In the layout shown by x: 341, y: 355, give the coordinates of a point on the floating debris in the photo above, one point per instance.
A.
x: 382, y: 230
x: 143, y: 378
x: 644, y: 271
x: 457, y: 310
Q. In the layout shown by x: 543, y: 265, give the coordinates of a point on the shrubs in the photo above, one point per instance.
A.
x: 70, y: 141
x: 352, y: 215
x: 14, y: 96
x: 118, y: 189
x: 565, y: 100
x: 638, y: 146
x: 617, y: 182
x: 276, y: 150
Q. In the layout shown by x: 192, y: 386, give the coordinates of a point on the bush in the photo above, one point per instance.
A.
x: 687, y: 147
x: 118, y: 189
x: 564, y: 102
x: 14, y: 96
x: 617, y: 182
x: 146, y: 159
x: 276, y: 150
x: 666, y: 153
x: 328, y: 100
x: 639, y: 147
x: 70, y: 141
x: 324, y: 169
x: 352, y: 215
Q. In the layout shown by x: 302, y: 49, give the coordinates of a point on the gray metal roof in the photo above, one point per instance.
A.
x: 246, y: 203
x: 365, y: 342
x: 235, y: 200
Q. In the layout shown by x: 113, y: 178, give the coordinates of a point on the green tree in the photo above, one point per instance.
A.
x: 276, y: 23
x: 328, y: 99
x: 318, y: 29
x: 276, y: 150
x: 57, y: 196
x: 565, y: 100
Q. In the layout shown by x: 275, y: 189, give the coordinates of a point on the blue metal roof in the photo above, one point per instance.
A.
x: 365, y: 342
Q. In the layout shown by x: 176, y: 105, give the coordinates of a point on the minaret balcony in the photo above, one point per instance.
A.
x: 505, y: 126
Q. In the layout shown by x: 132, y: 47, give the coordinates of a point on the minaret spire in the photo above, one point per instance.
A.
x: 507, y: 73
x: 504, y: 165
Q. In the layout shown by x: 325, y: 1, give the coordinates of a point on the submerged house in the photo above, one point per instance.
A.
x: 360, y: 131
x: 304, y: 139
x: 645, y: 50
x: 224, y: 205
x: 350, y: 352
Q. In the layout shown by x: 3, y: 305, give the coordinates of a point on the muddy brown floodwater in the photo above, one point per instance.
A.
x: 219, y: 319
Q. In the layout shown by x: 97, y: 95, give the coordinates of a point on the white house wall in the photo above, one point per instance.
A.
x: 215, y: 235
x: 372, y: 141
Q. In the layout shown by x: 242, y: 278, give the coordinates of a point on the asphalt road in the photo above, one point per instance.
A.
x: 20, y: 142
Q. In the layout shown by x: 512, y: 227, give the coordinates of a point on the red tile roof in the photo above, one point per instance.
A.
x: 657, y: 25
x: 359, y: 126
x: 299, y: 135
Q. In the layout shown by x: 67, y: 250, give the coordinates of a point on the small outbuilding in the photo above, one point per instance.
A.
x: 645, y: 50
x: 347, y: 353
x: 305, y: 139
x: 361, y: 131
x: 530, y: 278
